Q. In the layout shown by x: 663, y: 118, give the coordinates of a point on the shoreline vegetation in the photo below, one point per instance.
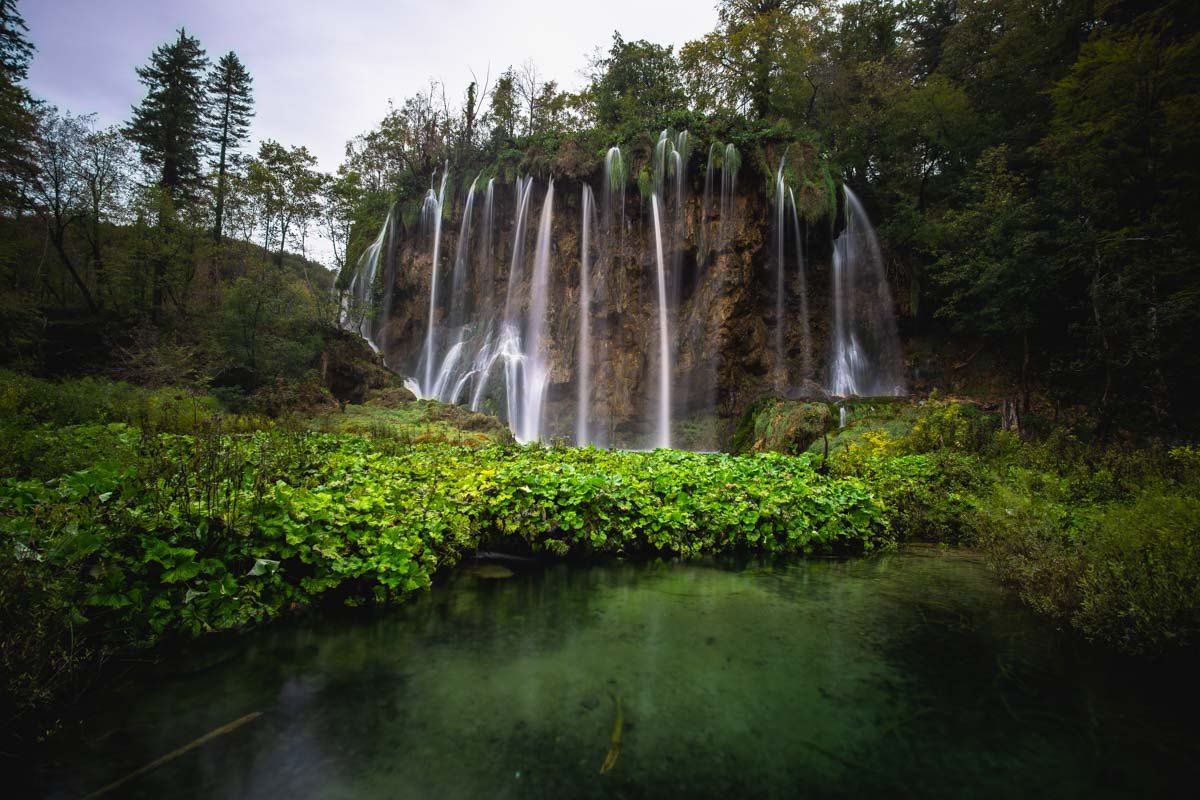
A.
x: 134, y: 516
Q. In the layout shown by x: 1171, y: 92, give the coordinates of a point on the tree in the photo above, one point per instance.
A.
x: 168, y: 126
x: 17, y: 120
x: 55, y: 194
x: 993, y: 258
x: 286, y: 189
x: 103, y: 170
x: 529, y: 89
x: 738, y: 65
x: 636, y: 83
x: 1122, y: 146
x: 230, y: 108
x: 341, y: 195
x: 505, y: 108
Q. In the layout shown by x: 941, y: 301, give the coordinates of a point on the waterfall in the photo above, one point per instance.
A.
x: 459, y: 306
x: 535, y: 369
x: 509, y: 346
x: 431, y: 213
x: 679, y: 160
x: 663, y: 433
x: 805, y: 330
x: 865, y: 359
x: 714, y: 153
x: 780, y: 282
x: 492, y: 316
x: 614, y: 189
x: 357, y: 304
x: 487, y: 281
x: 583, y: 408
x: 729, y: 170
x: 511, y: 301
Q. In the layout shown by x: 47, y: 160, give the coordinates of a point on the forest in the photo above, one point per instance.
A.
x: 195, y: 439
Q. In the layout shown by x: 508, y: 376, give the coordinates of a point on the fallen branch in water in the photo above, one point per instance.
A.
x: 614, y: 747
x: 174, y: 754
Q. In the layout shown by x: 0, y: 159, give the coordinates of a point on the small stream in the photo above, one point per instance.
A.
x: 906, y: 674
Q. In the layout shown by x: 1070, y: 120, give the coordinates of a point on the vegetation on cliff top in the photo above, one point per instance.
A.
x: 1030, y: 166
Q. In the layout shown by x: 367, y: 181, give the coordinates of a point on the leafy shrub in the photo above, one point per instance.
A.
x: 1140, y: 588
x: 925, y: 496
x: 150, y: 534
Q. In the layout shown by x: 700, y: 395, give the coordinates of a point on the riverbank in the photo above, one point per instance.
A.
x: 133, y: 517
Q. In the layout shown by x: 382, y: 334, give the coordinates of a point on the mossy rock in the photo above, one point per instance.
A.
x: 389, y: 416
x: 776, y: 425
x: 390, y: 397
x: 349, y: 369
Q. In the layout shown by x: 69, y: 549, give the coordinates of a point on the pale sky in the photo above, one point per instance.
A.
x: 324, y: 70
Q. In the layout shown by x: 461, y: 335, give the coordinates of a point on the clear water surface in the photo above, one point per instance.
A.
x: 909, y: 674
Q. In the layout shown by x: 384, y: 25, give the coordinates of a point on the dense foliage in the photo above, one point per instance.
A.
x: 129, y: 515
x: 116, y: 535
x: 1103, y: 538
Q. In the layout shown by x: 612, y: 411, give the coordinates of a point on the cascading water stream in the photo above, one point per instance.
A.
x: 487, y: 270
x: 509, y: 348
x: 714, y: 153
x: 729, y: 171
x: 583, y: 406
x: 482, y: 318
x: 357, y: 305
x: 515, y: 270
x: 614, y: 193
x: 459, y: 308
x: 865, y: 359
x: 431, y: 212
x: 535, y: 368
x: 805, y: 330
x: 663, y: 432
x: 780, y: 282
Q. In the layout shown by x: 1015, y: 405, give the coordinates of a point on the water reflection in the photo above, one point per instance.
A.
x: 907, y: 674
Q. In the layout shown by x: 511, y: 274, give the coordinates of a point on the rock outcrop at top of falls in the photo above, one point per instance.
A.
x: 657, y: 340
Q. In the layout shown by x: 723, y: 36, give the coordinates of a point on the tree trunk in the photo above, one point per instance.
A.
x: 60, y: 248
x: 220, y: 210
x: 1025, y: 373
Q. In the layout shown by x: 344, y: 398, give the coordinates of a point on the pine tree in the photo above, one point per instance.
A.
x: 168, y: 126
x: 230, y: 108
x: 17, y: 121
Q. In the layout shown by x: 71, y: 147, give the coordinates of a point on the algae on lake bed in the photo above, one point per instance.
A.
x: 906, y: 674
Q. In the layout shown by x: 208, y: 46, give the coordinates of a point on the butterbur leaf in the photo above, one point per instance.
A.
x: 263, y: 566
x: 183, y: 571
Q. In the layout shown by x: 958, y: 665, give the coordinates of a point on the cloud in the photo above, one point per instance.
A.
x: 324, y: 71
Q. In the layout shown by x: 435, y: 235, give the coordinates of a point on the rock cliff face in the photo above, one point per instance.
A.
x: 721, y: 289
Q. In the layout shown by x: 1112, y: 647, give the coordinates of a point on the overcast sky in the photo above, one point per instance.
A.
x: 324, y: 70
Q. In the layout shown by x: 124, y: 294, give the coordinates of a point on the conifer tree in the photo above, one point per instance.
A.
x: 17, y: 121
x: 231, y: 106
x: 168, y: 126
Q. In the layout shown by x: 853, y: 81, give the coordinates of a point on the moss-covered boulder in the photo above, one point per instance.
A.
x: 349, y: 369
x: 388, y: 415
x: 781, y: 426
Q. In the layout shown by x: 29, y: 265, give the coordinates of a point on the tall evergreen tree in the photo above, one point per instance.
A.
x: 168, y: 125
x: 17, y: 121
x: 230, y: 108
